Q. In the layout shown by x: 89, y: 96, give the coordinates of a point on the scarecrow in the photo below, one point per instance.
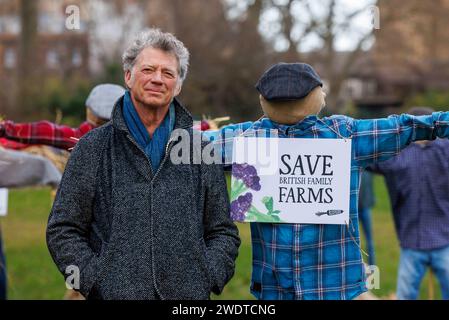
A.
x: 315, y: 261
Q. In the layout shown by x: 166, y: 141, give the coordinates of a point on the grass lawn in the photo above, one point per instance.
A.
x: 32, y: 274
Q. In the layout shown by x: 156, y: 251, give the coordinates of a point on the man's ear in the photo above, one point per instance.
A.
x: 128, y: 78
x: 178, y: 88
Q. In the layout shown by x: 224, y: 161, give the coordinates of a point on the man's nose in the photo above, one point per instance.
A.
x: 157, y: 76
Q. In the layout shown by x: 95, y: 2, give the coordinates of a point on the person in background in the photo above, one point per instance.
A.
x: 418, y: 185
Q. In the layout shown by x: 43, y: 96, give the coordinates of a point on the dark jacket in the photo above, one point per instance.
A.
x: 135, y: 234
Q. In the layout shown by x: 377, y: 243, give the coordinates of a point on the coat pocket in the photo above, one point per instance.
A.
x: 205, y: 262
x: 104, y: 260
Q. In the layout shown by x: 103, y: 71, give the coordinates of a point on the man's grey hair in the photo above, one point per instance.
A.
x: 155, y: 38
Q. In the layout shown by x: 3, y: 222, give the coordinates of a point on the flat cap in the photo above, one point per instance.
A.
x: 102, y: 98
x: 288, y: 81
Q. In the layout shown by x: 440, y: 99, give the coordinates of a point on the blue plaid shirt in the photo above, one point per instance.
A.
x: 307, y: 261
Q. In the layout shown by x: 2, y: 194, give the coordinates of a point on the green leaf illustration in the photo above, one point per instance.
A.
x: 258, y: 216
x: 268, y: 201
x: 238, y: 187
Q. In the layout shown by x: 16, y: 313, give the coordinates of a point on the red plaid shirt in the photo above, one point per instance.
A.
x: 21, y: 135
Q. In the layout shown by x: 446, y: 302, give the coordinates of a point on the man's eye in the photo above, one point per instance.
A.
x: 169, y: 74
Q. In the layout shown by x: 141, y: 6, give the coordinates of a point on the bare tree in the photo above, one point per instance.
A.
x: 26, y: 79
x: 227, y: 56
x: 302, y: 20
x: 416, y: 38
x: 110, y: 24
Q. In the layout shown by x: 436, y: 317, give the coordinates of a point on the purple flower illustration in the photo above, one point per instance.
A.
x: 248, y: 174
x: 240, y: 206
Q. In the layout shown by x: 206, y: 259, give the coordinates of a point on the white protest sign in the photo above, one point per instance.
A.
x: 3, y: 201
x: 291, y: 180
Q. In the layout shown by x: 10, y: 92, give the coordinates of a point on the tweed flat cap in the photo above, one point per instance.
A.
x: 288, y: 81
x: 102, y: 98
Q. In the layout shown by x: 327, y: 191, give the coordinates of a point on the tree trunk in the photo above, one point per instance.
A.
x: 26, y: 71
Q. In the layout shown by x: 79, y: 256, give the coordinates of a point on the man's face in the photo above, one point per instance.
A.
x: 154, y: 79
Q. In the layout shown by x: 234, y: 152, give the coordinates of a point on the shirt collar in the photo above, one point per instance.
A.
x: 303, y: 125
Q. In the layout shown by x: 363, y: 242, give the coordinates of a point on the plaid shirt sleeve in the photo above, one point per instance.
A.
x: 380, y: 139
x: 222, y: 139
x: 229, y: 131
x: 45, y: 132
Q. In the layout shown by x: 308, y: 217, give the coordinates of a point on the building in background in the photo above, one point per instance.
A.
x: 410, y: 55
x: 63, y: 54
x: 59, y: 52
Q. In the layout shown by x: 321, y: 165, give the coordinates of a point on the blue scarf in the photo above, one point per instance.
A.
x: 154, y: 147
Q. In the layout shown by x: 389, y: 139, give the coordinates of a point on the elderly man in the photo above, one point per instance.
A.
x: 134, y: 224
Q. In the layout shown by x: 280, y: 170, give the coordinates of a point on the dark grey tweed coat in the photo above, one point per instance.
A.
x: 135, y: 234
